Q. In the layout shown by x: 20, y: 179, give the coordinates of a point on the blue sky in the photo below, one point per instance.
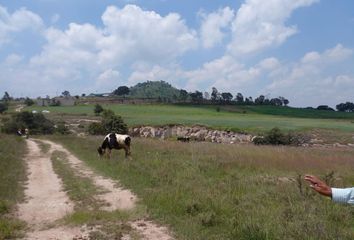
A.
x: 300, y: 49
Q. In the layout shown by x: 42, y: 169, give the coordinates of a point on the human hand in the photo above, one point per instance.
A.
x: 318, y: 185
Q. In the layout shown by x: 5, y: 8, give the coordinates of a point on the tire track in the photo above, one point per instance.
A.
x: 45, y: 201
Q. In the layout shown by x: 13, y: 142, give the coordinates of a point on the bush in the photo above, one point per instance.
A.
x: 276, y: 137
x: 3, y: 107
x: 29, y: 102
x: 36, y: 123
x: 96, y: 129
x: 98, y: 109
x: 62, y: 128
x: 110, y: 123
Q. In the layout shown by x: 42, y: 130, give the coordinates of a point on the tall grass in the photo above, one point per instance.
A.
x: 210, y: 191
x: 12, y: 176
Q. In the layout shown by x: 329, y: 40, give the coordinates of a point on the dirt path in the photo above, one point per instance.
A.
x: 46, y: 202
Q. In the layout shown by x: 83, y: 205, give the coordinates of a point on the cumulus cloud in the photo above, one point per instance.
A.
x: 84, y: 54
x: 18, y: 21
x: 261, y: 24
x: 132, y: 33
x: 213, y: 24
x: 316, y: 78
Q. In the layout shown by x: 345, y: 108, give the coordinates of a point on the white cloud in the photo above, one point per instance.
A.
x: 212, y: 25
x: 86, y: 57
x: 315, y: 78
x: 108, y: 79
x: 261, y: 24
x: 132, y: 33
x: 55, y: 18
x: 18, y: 21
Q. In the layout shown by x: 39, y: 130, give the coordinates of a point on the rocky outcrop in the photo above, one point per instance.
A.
x: 195, y: 133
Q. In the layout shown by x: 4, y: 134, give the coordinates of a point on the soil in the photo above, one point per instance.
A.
x: 46, y: 202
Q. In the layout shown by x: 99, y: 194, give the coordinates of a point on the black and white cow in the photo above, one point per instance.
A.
x: 115, y: 141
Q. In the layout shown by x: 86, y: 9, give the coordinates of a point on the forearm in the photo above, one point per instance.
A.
x: 343, y: 195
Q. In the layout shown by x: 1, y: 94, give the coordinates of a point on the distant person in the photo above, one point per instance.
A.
x: 19, y: 132
x: 27, y: 133
x: 339, y: 195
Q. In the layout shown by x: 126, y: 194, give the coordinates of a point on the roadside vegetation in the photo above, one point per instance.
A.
x: 211, y: 191
x: 12, y: 177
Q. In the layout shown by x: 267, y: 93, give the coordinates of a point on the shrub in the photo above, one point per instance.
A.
x: 29, y: 102
x: 62, y: 128
x: 3, y: 107
x: 36, y: 123
x: 96, y: 129
x: 110, y: 123
x: 276, y: 137
x: 98, y: 109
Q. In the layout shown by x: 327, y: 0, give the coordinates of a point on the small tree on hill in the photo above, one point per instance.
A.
x: 226, y: 96
x: 122, y: 91
x: 66, y: 93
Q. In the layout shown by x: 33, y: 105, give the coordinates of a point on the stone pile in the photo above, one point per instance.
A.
x: 195, y: 133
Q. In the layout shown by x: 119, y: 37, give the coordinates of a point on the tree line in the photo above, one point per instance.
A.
x: 164, y: 92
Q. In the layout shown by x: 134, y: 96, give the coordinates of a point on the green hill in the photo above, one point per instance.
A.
x: 154, y: 89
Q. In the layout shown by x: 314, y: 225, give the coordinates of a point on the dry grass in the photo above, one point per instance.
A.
x: 211, y: 191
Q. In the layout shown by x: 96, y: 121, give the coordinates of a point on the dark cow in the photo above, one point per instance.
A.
x: 115, y: 141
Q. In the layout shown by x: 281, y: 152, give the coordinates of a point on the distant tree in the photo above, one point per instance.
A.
x: 260, y: 100
x: 206, y: 95
x: 345, y: 107
x: 325, y: 107
x: 83, y: 95
x: 285, y: 101
x: 196, y: 97
x: 3, y: 107
x: 214, y: 94
x: 98, y: 109
x: 66, y: 93
x: 121, y: 91
x: 6, y: 97
x: 276, y: 102
x: 249, y: 100
x: 28, y: 101
x: 226, y: 96
x: 77, y: 96
x: 239, y: 98
x: 183, y: 95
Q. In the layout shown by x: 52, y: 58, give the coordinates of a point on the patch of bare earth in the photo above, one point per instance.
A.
x: 45, y: 200
x: 115, y: 196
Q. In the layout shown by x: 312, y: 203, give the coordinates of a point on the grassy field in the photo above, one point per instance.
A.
x: 12, y: 176
x: 212, y: 191
x: 228, y: 118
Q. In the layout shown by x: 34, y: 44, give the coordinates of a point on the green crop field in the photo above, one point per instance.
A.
x: 249, y: 119
x: 211, y: 191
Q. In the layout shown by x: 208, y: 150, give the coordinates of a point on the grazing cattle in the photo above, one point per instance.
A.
x: 115, y: 141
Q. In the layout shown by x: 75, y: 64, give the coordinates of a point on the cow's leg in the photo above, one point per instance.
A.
x: 109, y: 153
x: 127, y: 151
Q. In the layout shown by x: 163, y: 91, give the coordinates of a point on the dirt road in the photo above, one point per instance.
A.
x: 46, y: 202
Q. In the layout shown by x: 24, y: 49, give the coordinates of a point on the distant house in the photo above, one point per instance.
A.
x: 56, y: 101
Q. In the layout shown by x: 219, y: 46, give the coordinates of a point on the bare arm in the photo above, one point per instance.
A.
x: 319, y: 186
